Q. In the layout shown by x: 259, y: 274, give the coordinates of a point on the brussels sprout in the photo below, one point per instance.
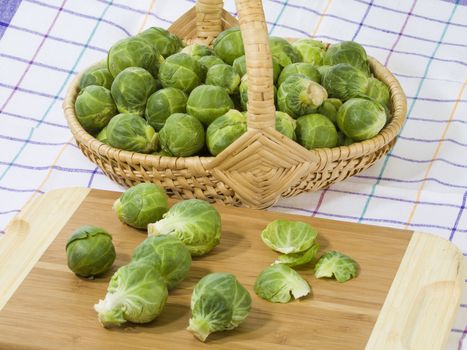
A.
x: 197, y: 51
x: 195, y: 222
x: 130, y: 132
x: 102, y: 136
x: 209, y: 61
x: 312, y: 51
x: 323, y: 70
x: 329, y: 109
x: 299, y: 96
x: 343, y: 81
x: 343, y: 140
x: 168, y: 254
x: 141, y: 205
x: 279, y: 283
x: 316, y: 131
x: 181, y: 136
x: 219, y: 302
x: 239, y: 66
x: 229, y: 45
x: 136, y: 293
x: 285, y: 124
x: 181, y: 71
x: 378, y: 91
x: 224, y: 76
x: 334, y: 263
x: 96, y: 76
x: 94, y: 107
x: 283, y: 51
x: 162, y: 104
x: 361, y: 119
x: 225, y: 130
x: 161, y: 40
x: 90, y: 251
x: 347, y: 52
x: 131, y: 90
x: 287, y: 236
x: 296, y: 259
x: 208, y: 102
x: 133, y: 52
x: 306, y: 69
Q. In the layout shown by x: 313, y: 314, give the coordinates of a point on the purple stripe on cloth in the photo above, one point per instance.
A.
x: 9, y: 211
x: 428, y: 179
x: 459, y: 2
x: 28, y: 91
x: 43, y: 65
x: 431, y: 141
x: 14, y: 115
x: 431, y: 99
x: 439, y: 120
x: 9, y: 189
x: 459, y: 216
x: 141, y: 12
x: 368, y: 8
x: 8, y: 10
x: 93, y: 174
x: 455, y: 330
x: 32, y: 142
x: 424, y: 161
x: 48, y: 167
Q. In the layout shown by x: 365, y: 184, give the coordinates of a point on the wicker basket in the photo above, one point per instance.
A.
x: 262, y: 165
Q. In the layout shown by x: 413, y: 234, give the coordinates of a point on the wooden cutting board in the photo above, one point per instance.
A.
x: 405, y: 297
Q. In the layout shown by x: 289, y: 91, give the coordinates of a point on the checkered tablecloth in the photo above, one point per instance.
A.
x: 421, y: 184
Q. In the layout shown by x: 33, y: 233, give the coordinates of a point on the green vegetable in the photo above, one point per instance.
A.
x: 96, y: 76
x: 296, y: 259
x: 209, y: 61
x: 181, y: 71
x: 329, y: 109
x: 90, y: 251
x: 224, y: 76
x: 195, y: 222
x: 225, y: 130
x: 102, y: 136
x: 198, y: 50
x: 287, y: 236
x: 378, y: 91
x: 323, y: 70
x: 162, y: 104
x: 316, y: 131
x: 279, y: 283
x: 336, y: 264
x: 208, y: 102
x: 312, y: 51
x: 343, y: 140
x: 347, y: 52
x: 229, y: 45
x: 285, y: 124
x: 344, y: 81
x: 161, y: 40
x: 239, y: 66
x: 283, y: 51
x: 306, y: 69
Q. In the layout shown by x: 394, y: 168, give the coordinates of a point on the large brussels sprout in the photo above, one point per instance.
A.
x: 90, y: 251
x: 141, y: 205
x: 297, y: 259
x: 316, y: 131
x: 224, y: 76
x: 131, y: 90
x: 208, y: 61
x: 347, y: 52
x: 198, y: 50
x: 329, y: 109
x: 208, y: 102
x: 102, y: 136
x: 161, y: 40
x: 279, y: 283
x: 336, y: 264
x: 287, y: 236
x: 181, y: 71
x: 361, y: 119
x: 195, y: 222
x: 312, y: 51
x: 225, y: 130
x: 239, y: 66
x: 323, y: 70
x: 299, y: 96
x: 306, y: 69
x: 181, y: 136
x: 94, y: 107
x: 162, y: 104
x: 378, y: 91
x: 283, y: 51
x: 219, y: 302
x: 136, y: 293
x: 229, y: 45
x: 133, y: 52
x: 168, y: 254
x: 130, y: 132
x: 98, y: 75
x: 344, y: 81
x: 285, y: 124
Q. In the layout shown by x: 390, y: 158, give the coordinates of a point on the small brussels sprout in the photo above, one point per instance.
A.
x: 347, y: 52
x: 162, y: 104
x: 181, y: 71
x: 94, y: 107
x: 306, y: 69
x: 102, y: 136
x: 329, y: 109
x: 130, y: 132
x: 131, y: 90
x: 198, y: 50
x: 224, y: 76
x: 297, y: 259
x: 336, y: 264
x: 161, y: 40
x: 219, y: 302
x: 169, y: 255
x: 312, y: 51
x: 181, y: 136
x: 208, y: 102
x: 285, y: 124
x: 136, y: 293
x: 279, y: 283
x: 299, y: 96
x: 239, y: 66
x: 96, y: 76
x: 316, y: 131
x: 287, y: 236
x: 361, y: 119
x: 209, y: 61
x: 90, y: 251
x: 141, y: 205
x: 229, y: 45
x: 225, y: 130
x: 344, y: 81
x: 283, y: 51
x: 378, y: 91
x: 195, y: 222
x: 343, y: 140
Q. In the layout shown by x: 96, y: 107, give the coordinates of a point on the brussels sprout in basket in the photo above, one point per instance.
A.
x: 209, y: 61
x: 224, y: 76
x: 161, y: 40
x: 312, y: 51
x: 283, y: 51
x: 102, y: 136
x: 181, y: 71
x: 208, y: 102
x: 329, y: 109
x: 98, y: 75
x: 229, y: 45
x: 306, y: 69
x: 316, y: 131
x: 288, y: 237
x: 285, y: 124
x: 378, y: 91
x: 162, y: 104
x: 225, y: 130
x: 344, y: 81
x: 347, y: 52
x: 336, y: 264
x: 197, y: 51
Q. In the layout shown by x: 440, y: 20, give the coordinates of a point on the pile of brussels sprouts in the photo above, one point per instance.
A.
x: 155, y: 96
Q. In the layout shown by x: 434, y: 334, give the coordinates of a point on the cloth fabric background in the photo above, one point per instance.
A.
x: 420, y: 185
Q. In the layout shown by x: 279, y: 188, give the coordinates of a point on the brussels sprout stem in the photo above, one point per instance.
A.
x: 314, y: 95
x: 199, y: 328
x: 166, y: 226
x: 110, y: 310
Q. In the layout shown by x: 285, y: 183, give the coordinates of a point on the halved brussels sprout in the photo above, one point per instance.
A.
x: 162, y: 104
x: 208, y: 102
x: 229, y: 45
x: 198, y: 50
x: 287, y: 236
x: 297, y: 259
x: 181, y: 71
x: 316, y: 131
x: 306, y: 69
x: 209, y: 61
x: 283, y: 51
x: 161, y: 40
x: 312, y: 51
x: 347, y: 52
x: 224, y: 76
x: 329, y: 109
x: 239, y: 66
x: 285, y: 124
x: 378, y: 91
x: 102, y: 136
x: 225, y: 130
x: 336, y: 264
x: 96, y: 76
x: 344, y: 81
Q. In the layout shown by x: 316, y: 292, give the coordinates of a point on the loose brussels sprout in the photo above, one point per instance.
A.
x: 334, y: 263
x: 287, y: 236
x: 195, y: 222
x: 344, y: 81
x: 130, y: 132
x: 283, y: 51
x: 347, y: 52
x: 162, y: 104
x: 239, y: 66
x: 161, y: 40
x: 102, y: 136
x: 306, y: 69
x: 181, y: 71
x: 141, y: 205
x: 90, y: 251
x: 94, y: 107
x: 316, y: 131
x: 229, y: 45
x: 296, y: 259
x: 378, y: 91
x: 312, y: 51
x: 329, y: 109
x: 208, y: 102
x: 197, y: 51
x: 285, y: 124
x: 133, y: 52
x: 219, y: 302
x: 279, y: 283
x: 299, y: 96
x: 131, y: 90
x: 225, y: 130
x: 224, y: 76
x: 181, y: 136
x: 361, y: 119
x: 136, y: 293
x: 168, y: 254
x: 96, y: 76
x: 209, y: 61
